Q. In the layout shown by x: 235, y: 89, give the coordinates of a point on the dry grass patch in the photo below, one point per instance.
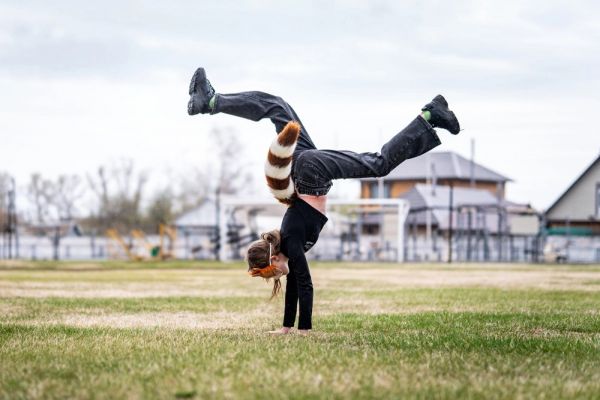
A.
x: 410, y: 278
x: 172, y: 320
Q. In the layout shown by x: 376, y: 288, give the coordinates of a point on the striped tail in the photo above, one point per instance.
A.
x: 278, y: 167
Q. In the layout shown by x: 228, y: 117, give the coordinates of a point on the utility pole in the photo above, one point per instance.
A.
x: 218, y: 223
x: 450, y: 211
x: 11, y: 223
x: 427, y: 211
x: 472, y: 166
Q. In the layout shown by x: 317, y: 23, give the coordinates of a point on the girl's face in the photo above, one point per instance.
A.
x: 281, y: 263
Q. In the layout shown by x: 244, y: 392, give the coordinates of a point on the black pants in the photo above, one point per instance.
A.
x: 313, y: 169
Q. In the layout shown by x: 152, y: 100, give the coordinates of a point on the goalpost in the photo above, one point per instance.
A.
x: 360, y: 229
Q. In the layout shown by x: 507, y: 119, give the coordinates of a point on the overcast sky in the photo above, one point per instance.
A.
x: 84, y: 83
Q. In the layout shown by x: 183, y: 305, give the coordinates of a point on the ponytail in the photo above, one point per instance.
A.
x: 274, y: 239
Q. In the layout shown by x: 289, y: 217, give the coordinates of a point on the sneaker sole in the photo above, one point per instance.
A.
x: 198, y: 78
x: 455, y: 123
x: 191, y: 107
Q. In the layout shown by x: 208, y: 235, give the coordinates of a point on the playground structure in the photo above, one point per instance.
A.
x: 137, y: 247
x: 343, y: 237
x: 475, y: 233
x: 467, y: 224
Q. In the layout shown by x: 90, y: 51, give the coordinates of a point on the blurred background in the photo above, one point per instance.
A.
x: 99, y: 159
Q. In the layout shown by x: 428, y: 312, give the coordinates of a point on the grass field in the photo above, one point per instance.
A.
x: 197, y: 330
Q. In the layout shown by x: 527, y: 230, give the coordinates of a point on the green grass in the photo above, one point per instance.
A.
x: 371, y: 340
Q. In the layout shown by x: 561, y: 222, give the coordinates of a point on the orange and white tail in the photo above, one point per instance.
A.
x: 278, y: 167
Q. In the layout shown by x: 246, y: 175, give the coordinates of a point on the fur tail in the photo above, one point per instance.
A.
x: 278, y: 167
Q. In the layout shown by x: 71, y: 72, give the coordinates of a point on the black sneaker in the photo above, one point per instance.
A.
x: 441, y: 116
x: 201, y: 91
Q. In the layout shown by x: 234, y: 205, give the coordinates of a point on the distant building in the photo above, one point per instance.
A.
x: 573, y: 220
x: 578, y: 208
x: 446, y: 168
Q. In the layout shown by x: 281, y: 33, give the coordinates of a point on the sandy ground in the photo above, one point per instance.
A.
x: 513, y: 279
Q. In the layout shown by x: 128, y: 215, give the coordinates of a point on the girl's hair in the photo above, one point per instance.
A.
x: 260, y: 251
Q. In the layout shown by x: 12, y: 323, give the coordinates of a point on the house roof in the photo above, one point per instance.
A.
x: 579, y: 178
x: 425, y: 196
x: 447, y: 165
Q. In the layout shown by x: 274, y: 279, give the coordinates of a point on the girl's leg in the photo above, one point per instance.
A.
x: 315, y: 169
x: 259, y: 105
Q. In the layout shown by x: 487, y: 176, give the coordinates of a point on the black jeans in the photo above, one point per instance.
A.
x: 313, y: 169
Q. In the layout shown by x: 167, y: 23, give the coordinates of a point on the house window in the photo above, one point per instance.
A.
x: 374, y: 190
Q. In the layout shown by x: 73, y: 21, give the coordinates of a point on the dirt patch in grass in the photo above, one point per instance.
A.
x: 104, y: 290
x: 174, y: 320
x: 540, y: 279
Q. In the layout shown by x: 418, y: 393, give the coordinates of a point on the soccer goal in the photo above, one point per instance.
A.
x: 357, y: 230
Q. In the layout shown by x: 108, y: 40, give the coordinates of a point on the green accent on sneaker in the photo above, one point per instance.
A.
x: 426, y: 115
x: 211, y: 102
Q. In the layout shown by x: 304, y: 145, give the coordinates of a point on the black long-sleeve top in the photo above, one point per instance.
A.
x: 300, y: 230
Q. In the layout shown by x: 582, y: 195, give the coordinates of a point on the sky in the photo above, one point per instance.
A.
x: 86, y: 83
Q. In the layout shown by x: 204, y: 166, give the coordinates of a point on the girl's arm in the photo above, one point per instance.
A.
x: 301, y: 273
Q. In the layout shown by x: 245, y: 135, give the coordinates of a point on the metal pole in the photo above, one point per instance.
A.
x: 450, y: 211
x: 15, y: 219
x: 472, y: 163
x: 499, y: 227
x: 402, y: 214
x: 568, y: 234
x: 381, y: 220
x: 220, y: 239
x: 56, y: 242
x: 469, y: 230
x: 222, y: 230
x: 427, y: 212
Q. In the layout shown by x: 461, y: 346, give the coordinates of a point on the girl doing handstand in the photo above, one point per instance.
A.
x: 282, y: 252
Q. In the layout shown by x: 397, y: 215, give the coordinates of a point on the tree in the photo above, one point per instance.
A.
x: 225, y: 174
x: 119, y: 190
x: 5, y: 185
x: 160, y: 210
x: 231, y: 175
x: 54, y: 200
x: 67, y: 190
x: 40, y: 193
x: 192, y: 188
